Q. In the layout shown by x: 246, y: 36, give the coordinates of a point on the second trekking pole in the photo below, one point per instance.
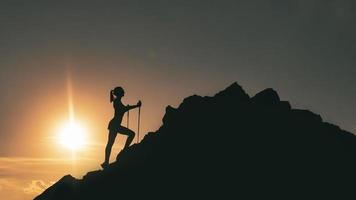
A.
x: 138, y: 124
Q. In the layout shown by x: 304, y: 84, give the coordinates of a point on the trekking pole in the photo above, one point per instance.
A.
x: 138, y: 124
x: 128, y: 118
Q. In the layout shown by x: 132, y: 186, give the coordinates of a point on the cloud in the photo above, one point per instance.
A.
x: 36, y: 187
x: 17, y: 189
x: 12, y: 189
x: 23, y: 178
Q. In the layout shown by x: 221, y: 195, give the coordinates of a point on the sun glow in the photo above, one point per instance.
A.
x: 72, y: 136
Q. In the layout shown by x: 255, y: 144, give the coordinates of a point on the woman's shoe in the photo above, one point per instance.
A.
x: 104, y: 165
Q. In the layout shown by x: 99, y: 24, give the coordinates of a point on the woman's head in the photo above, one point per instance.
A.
x: 117, y: 92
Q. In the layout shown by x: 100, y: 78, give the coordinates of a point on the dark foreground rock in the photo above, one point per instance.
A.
x: 228, y: 146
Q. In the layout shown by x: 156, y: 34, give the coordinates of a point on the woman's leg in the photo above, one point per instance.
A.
x: 129, y: 133
x: 111, y: 140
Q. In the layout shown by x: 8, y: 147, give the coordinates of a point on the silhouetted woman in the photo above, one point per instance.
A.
x: 115, y: 123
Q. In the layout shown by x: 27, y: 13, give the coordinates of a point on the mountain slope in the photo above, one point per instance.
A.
x: 227, y: 146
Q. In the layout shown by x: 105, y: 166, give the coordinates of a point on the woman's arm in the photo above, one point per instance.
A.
x: 129, y: 107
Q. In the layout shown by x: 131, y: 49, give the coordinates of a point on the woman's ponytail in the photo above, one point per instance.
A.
x: 111, y: 96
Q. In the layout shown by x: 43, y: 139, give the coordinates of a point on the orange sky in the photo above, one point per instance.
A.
x: 160, y: 52
x: 34, y: 158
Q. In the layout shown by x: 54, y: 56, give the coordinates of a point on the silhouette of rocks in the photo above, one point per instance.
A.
x: 228, y: 146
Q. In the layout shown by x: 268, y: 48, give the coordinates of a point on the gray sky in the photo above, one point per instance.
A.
x: 163, y: 51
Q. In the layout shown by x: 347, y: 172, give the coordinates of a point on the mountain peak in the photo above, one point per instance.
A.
x: 234, y: 91
x: 226, y: 146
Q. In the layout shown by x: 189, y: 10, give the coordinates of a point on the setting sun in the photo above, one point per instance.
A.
x: 72, y: 136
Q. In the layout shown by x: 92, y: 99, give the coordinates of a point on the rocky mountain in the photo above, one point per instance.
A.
x: 227, y: 146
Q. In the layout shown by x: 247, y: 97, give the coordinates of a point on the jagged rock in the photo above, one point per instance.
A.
x: 267, y: 96
x: 232, y: 94
x: 63, y: 189
x: 228, y: 146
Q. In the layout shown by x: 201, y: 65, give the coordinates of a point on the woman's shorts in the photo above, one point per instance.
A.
x: 114, y: 125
